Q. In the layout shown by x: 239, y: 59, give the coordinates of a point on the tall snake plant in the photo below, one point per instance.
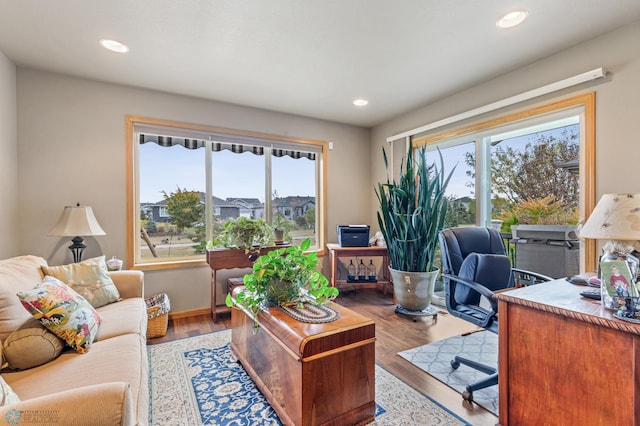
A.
x: 412, y: 212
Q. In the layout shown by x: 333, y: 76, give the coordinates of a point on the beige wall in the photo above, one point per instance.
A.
x: 71, y: 146
x: 617, y: 105
x: 72, y: 149
x: 8, y: 159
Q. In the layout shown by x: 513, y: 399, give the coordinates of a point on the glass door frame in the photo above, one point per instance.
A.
x: 582, y: 105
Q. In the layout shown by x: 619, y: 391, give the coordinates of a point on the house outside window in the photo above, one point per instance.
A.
x: 187, y: 181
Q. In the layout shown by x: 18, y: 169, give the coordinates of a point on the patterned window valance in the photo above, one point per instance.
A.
x: 255, y: 147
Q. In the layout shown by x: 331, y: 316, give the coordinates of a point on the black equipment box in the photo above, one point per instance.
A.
x: 353, y: 235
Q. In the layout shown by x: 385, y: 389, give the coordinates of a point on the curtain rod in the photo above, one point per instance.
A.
x: 549, y: 88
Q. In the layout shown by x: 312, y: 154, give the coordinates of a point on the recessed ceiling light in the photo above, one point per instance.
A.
x: 114, y: 46
x: 360, y: 102
x: 512, y: 19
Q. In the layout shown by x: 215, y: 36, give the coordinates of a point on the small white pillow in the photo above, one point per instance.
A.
x: 7, y: 395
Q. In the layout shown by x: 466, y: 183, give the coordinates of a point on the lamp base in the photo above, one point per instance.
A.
x: 77, y: 248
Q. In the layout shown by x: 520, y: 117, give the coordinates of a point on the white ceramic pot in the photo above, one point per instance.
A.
x: 413, y: 290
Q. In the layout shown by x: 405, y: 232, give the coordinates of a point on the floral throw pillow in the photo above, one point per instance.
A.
x: 63, y: 312
x: 90, y: 278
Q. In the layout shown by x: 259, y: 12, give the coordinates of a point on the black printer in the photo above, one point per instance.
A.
x: 353, y: 235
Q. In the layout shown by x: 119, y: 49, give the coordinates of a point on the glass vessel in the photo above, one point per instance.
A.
x: 351, y: 271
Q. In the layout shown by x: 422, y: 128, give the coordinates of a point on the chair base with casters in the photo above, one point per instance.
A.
x: 490, y: 380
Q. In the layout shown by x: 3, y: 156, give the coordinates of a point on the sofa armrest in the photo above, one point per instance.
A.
x: 129, y: 283
x: 103, y: 404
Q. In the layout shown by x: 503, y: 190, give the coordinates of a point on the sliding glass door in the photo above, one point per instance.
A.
x: 532, y: 167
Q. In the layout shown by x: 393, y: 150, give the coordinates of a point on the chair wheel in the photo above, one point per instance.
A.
x: 467, y: 396
x: 455, y: 364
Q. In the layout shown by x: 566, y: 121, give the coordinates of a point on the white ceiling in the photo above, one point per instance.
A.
x: 305, y: 57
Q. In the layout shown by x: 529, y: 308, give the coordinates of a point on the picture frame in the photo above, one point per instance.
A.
x: 617, y: 279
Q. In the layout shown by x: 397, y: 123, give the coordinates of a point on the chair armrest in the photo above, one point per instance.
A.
x: 103, y: 404
x: 129, y: 283
x: 484, y: 291
x: 488, y: 315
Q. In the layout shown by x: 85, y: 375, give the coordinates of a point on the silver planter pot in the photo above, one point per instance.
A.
x: 413, y: 290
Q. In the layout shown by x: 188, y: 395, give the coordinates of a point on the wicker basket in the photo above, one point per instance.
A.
x: 158, y: 315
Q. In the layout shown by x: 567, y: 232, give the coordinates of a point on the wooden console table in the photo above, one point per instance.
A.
x: 228, y: 258
x: 566, y: 360
x: 336, y: 252
x: 311, y: 374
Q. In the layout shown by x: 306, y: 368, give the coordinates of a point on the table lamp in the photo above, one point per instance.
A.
x: 616, y: 219
x: 77, y: 222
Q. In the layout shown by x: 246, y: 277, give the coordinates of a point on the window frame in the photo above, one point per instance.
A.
x: 584, y: 102
x: 132, y: 182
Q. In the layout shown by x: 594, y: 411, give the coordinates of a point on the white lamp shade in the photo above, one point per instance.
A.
x: 77, y: 221
x: 616, y: 217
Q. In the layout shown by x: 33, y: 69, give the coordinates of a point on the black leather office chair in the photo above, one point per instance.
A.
x: 475, y: 265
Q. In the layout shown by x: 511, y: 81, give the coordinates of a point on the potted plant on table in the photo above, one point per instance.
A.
x: 283, y: 277
x: 281, y: 227
x: 412, y: 213
x: 245, y: 234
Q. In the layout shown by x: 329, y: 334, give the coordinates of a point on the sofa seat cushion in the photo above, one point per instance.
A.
x: 16, y: 274
x: 63, y: 311
x: 128, y: 316
x: 119, y: 359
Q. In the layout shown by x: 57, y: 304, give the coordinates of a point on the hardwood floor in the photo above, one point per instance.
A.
x: 394, y: 333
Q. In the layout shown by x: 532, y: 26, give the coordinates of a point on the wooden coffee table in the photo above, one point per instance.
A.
x: 311, y: 374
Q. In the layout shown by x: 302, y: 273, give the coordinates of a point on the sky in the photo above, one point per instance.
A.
x: 234, y: 175
x: 454, y: 157
x: 242, y: 175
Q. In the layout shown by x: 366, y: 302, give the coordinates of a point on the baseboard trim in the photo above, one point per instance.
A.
x: 191, y: 313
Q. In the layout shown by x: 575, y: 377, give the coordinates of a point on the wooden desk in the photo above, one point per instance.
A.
x: 228, y: 258
x: 565, y: 360
x: 336, y: 252
x: 311, y: 374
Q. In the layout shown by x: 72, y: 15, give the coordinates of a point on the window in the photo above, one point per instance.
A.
x: 544, y: 152
x: 186, y: 181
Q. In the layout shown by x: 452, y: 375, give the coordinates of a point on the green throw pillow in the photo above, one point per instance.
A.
x: 90, y: 278
x: 63, y: 312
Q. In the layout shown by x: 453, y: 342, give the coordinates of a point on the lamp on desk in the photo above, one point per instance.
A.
x: 77, y: 222
x: 616, y: 219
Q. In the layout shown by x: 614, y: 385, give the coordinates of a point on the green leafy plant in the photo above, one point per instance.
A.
x: 245, y: 234
x: 285, y: 276
x: 412, y: 212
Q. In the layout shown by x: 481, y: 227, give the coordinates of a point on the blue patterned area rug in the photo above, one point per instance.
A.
x: 435, y: 358
x: 194, y: 381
